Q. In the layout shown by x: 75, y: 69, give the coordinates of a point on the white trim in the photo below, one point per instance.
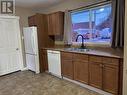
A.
x: 88, y: 87
x: 20, y: 43
x: 8, y: 17
x: 101, y: 44
x: 24, y: 69
x: 125, y: 54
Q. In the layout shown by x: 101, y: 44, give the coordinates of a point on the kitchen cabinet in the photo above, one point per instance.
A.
x: 56, y: 23
x: 95, y: 71
x: 43, y: 60
x: 67, y: 65
x: 101, y: 72
x: 80, y: 62
x: 32, y: 21
x: 40, y: 21
x: 111, y: 75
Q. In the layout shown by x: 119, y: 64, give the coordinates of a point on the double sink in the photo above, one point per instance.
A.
x: 77, y: 49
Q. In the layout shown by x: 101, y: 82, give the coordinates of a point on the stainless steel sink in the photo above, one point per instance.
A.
x: 77, y: 49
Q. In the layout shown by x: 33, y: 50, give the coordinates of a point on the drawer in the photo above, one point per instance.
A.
x: 111, y: 61
x: 66, y: 55
x: 80, y: 57
x: 95, y: 59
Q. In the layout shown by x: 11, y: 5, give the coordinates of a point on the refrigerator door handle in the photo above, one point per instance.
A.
x: 33, y: 43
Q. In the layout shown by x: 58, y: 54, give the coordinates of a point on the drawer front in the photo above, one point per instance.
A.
x: 80, y: 57
x: 95, y: 59
x: 110, y: 61
x: 66, y: 55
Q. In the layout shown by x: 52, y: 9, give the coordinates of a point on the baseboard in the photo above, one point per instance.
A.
x: 24, y: 69
x: 89, y: 87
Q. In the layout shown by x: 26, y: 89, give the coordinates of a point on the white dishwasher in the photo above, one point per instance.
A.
x: 54, y: 62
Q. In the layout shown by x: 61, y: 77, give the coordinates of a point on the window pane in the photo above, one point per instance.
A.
x: 94, y: 24
x: 102, y: 27
x: 81, y: 23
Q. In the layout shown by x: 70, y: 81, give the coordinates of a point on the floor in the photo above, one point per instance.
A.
x: 27, y: 83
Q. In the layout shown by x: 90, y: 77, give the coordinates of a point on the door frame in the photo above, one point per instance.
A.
x: 125, y: 55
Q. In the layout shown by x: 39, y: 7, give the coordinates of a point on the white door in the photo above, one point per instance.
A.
x: 10, y: 46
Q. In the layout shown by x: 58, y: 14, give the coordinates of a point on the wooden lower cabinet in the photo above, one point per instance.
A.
x: 110, y: 79
x: 95, y: 75
x: 81, y: 71
x: 101, y: 72
x: 67, y: 69
x: 67, y: 65
x: 43, y: 60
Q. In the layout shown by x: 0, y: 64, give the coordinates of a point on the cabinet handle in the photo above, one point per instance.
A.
x: 101, y: 65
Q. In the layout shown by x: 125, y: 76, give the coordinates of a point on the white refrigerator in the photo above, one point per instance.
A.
x: 31, y: 48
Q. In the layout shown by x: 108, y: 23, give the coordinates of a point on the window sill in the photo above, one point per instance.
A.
x: 92, y: 44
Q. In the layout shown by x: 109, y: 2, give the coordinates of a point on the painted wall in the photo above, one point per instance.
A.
x: 69, y: 5
x: 125, y: 55
x: 23, y: 13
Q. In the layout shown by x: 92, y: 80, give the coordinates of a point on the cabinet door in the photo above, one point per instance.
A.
x: 43, y: 60
x: 81, y: 71
x: 95, y: 74
x: 50, y: 24
x: 31, y: 21
x: 67, y: 68
x: 110, y: 79
x: 55, y: 23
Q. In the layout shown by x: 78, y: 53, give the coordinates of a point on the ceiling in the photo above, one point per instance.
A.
x: 36, y: 4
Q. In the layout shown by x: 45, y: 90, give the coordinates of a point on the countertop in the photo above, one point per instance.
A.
x: 91, y: 52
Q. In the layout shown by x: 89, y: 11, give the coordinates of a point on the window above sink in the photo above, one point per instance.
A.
x: 95, y: 24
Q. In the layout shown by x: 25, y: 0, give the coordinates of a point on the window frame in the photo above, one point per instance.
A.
x: 90, y: 8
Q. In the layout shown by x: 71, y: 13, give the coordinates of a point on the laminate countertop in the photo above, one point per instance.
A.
x: 90, y: 52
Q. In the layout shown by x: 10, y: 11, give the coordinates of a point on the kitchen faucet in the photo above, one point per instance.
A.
x: 82, y: 46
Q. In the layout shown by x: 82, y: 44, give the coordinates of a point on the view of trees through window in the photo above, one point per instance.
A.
x: 94, y: 24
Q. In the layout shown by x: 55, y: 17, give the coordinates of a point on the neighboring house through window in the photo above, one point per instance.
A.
x: 95, y: 24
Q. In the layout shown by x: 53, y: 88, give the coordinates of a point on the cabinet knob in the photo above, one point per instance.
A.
x: 101, y: 65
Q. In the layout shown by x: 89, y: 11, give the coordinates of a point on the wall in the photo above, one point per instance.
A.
x: 125, y: 55
x: 23, y: 13
x: 68, y: 5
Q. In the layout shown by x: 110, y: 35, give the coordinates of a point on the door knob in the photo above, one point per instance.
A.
x: 17, y: 48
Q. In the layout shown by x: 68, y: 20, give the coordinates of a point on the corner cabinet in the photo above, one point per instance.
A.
x: 101, y: 72
x: 40, y: 21
x: 56, y: 24
x: 111, y: 75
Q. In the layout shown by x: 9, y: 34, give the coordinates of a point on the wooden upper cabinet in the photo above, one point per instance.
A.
x: 32, y: 21
x: 67, y: 65
x: 40, y: 21
x: 56, y: 23
x: 95, y: 71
